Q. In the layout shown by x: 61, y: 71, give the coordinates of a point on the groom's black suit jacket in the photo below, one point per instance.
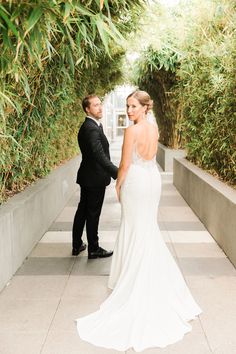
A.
x: 96, y: 169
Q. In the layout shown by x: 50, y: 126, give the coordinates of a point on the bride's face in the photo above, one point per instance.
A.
x: 135, y: 111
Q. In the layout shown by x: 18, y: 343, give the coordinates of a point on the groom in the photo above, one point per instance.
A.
x: 93, y: 176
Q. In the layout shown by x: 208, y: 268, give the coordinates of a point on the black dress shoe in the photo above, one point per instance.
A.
x: 99, y: 253
x: 76, y: 251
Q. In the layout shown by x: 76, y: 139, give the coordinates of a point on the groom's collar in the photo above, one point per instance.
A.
x: 95, y: 120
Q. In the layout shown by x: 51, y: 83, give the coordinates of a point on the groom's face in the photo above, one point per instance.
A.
x: 95, y: 108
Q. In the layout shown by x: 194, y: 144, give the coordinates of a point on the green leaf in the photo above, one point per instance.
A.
x: 8, y: 21
x: 33, y: 19
x: 67, y: 11
x: 7, y: 99
x: 101, y: 26
x: 83, y: 10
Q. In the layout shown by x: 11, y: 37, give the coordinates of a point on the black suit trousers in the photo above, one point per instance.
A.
x: 88, y: 212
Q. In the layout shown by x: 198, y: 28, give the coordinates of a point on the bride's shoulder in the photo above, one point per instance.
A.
x: 129, y: 133
x: 130, y: 130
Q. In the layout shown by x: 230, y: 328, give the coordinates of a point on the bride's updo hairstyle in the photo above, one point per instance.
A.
x: 143, y: 98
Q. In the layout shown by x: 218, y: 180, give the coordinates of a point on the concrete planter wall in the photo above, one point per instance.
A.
x: 212, y: 201
x: 166, y: 155
x: 27, y: 216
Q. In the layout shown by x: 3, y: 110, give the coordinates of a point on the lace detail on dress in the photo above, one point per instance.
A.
x: 137, y: 159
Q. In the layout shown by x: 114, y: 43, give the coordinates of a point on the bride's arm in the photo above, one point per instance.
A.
x: 125, y: 157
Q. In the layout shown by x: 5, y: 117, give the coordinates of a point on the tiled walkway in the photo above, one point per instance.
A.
x: 51, y: 289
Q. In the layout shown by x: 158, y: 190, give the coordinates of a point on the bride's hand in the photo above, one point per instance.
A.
x: 118, y: 192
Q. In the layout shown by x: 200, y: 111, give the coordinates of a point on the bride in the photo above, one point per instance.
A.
x: 150, y: 305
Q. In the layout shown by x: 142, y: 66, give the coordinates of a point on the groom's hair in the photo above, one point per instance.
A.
x: 86, y: 101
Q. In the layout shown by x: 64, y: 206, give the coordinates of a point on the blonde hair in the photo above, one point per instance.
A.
x: 143, y: 98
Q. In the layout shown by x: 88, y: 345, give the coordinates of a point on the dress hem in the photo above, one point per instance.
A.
x: 156, y: 345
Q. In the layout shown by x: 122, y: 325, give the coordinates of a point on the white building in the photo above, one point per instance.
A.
x: 114, y: 111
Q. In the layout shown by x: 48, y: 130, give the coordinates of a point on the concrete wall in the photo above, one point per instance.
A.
x: 27, y: 216
x: 165, y: 157
x: 212, y: 201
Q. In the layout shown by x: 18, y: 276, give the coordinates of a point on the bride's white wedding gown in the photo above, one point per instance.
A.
x: 151, y: 304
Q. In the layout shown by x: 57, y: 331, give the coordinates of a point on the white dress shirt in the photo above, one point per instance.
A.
x: 95, y: 120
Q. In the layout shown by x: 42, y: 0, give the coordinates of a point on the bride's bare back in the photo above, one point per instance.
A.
x: 145, y: 139
x: 141, y: 138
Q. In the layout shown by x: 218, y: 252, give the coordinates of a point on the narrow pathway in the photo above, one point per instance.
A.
x: 52, y: 288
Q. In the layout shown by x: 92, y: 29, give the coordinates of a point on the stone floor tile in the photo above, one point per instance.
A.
x: 57, y: 237
x: 58, y: 250
x: 190, y: 250
x: 216, y: 297
x: 85, y: 266
x: 109, y: 211
x: 168, y: 187
x: 172, y: 201
x: 62, y: 342
x: 46, y: 266
x: 71, y: 308
x: 61, y: 226
x: 31, y: 287
x: 109, y: 217
x: 84, y: 286
x: 177, y: 214
x: 210, y: 267
x: 166, y: 175
x: 168, y: 192
x: 109, y: 225
x: 183, y: 226
x: 67, y: 214
x: 111, y: 202
x: 66, y: 236
x: 108, y: 236
x: 73, y: 202
x: 191, y: 237
x: 22, y: 342
x: 27, y: 314
x: 226, y: 348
